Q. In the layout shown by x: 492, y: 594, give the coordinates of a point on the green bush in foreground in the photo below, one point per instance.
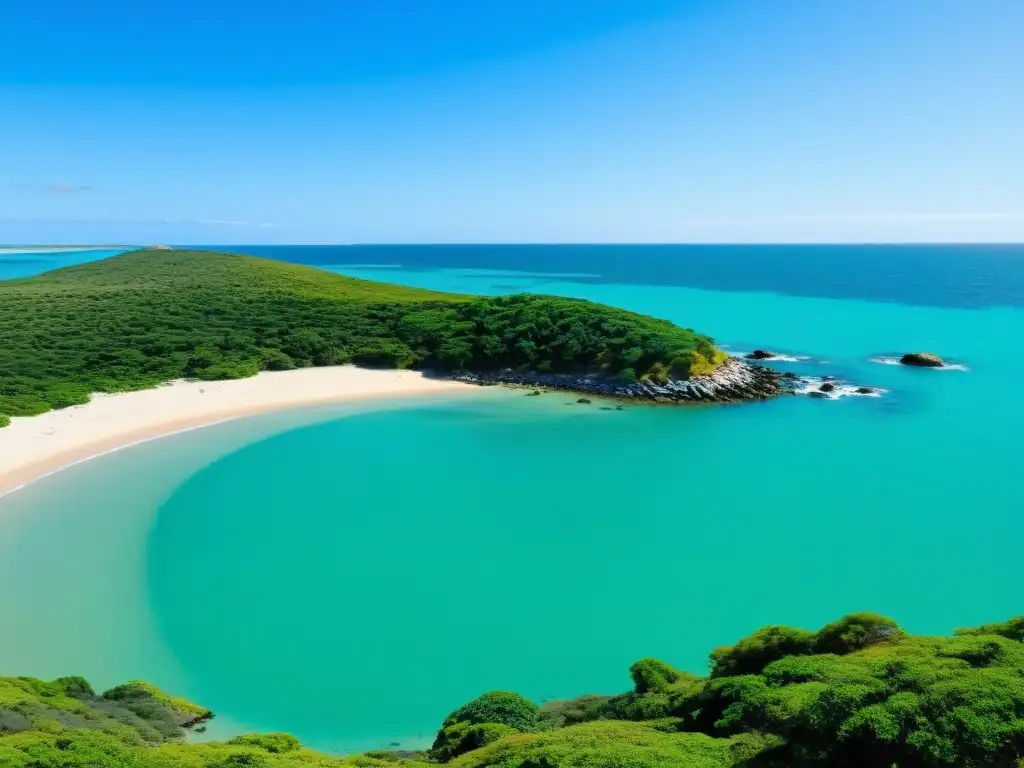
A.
x: 612, y: 744
x: 859, y: 693
x: 147, y: 317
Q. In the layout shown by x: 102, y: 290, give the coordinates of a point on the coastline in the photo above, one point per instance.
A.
x: 33, y: 447
x: 21, y: 249
x: 736, y: 381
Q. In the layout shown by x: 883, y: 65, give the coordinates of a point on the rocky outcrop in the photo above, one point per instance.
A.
x: 761, y: 354
x: 922, y: 360
x: 828, y: 386
x: 735, y: 381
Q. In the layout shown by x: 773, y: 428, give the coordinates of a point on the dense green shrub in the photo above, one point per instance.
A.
x: 880, y: 698
x: 559, y: 713
x: 854, y: 632
x: 751, y: 654
x: 460, y: 738
x: 481, y: 721
x: 278, y: 743
x: 504, y: 707
x: 653, y: 675
x: 859, y: 693
x: 611, y: 744
x: 147, y: 317
x: 1012, y: 629
x: 139, y: 693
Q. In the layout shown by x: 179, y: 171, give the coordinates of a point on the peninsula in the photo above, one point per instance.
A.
x: 173, y: 317
x: 858, y: 692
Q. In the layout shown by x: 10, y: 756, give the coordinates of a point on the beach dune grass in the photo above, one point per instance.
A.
x: 146, y: 317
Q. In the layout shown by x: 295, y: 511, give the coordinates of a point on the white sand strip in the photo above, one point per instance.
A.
x: 34, y: 446
x: 29, y: 249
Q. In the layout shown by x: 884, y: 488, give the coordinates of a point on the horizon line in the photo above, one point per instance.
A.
x: 521, y: 243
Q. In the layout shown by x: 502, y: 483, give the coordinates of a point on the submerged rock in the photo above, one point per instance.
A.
x: 583, y: 401
x: 865, y: 391
x: 535, y: 393
x: 922, y: 360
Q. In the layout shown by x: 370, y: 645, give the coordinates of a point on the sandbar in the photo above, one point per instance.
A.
x: 34, y: 446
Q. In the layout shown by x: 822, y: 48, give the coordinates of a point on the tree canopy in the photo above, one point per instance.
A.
x: 858, y: 693
x: 151, y: 316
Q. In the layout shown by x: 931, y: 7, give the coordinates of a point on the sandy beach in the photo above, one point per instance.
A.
x: 34, y: 446
x: 21, y: 249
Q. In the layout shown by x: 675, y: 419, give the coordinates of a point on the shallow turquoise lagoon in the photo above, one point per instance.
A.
x: 353, y: 574
x: 16, y: 262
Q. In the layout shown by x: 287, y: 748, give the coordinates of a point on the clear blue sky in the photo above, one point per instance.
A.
x: 231, y: 121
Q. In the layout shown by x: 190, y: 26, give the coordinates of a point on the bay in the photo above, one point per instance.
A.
x: 353, y: 576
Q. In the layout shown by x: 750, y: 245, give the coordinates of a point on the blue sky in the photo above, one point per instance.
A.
x: 226, y: 121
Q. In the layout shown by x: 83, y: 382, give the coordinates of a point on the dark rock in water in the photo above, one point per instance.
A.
x: 922, y: 360
x: 535, y: 393
x: 865, y: 391
x: 790, y: 375
x: 607, y: 408
x: 761, y: 354
x: 583, y: 401
x: 619, y: 408
x: 818, y: 393
x: 828, y: 386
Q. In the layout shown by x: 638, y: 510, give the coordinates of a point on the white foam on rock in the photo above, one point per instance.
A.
x: 896, y: 361
x: 812, y: 386
x: 775, y: 358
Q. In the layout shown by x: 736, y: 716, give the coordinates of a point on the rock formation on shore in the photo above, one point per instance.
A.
x: 735, y: 381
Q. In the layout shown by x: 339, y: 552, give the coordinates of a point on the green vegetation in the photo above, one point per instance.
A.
x: 137, y: 320
x: 613, y: 745
x: 482, y: 721
x: 65, y: 724
x: 858, y: 693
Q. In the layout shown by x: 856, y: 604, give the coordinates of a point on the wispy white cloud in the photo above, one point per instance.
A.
x: 224, y: 223
x: 858, y: 218
x: 149, y: 222
x: 235, y: 223
x: 67, y: 188
x: 57, y: 187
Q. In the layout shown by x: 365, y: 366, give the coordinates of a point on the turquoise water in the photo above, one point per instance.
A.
x: 352, y: 575
x: 23, y: 263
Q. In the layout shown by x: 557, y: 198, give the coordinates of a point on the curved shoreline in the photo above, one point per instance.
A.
x: 34, y: 447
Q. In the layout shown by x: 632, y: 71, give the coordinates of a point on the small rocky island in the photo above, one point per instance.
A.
x: 732, y: 382
x: 922, y: 360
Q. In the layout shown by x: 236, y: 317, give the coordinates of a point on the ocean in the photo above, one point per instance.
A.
x: 353, y: 573
x: 25, y: 262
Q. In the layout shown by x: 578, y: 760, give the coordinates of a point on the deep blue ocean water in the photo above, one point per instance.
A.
x: 302, y: 571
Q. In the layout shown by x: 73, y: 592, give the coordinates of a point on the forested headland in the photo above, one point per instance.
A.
x: 858, y: 693
x: 146, y: 317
